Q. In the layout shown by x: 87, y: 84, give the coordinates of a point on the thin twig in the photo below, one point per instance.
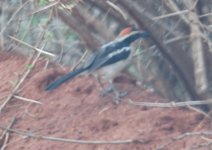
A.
x: 41, y: 137
x: 20, y: 82
x: 4, y: 145
x: 183, y: 136
x: 13, y: 16
x: 205, y: 15
x: 27, y: 99
x: 46, y: 7
x: 171, y: 104
x: 171, y: 14
x: 46, y: 64
x: 199, y: 111
x: 29, y: 69
x: 188, y: 134
x: 8, y: 127
x: 30, y: 46
x: 117, y: 9
x: 175, y: 8
x: 171, y: 40
x: 6, y: 135
x: 188, y: 104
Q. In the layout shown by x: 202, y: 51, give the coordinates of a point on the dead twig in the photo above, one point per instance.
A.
x: 115, y: 7
x: 40, y: 51
x: 188, y: 134
x: 13, y: 16
x: 174, y: 7
x: 188, y: 104
x: 171, y: 104
x: 183, y: 136
x: 27, y: 99
x: 30, y: 46
x: 199, y: 111
x: 46, y: 7
x: 9, y: 126
x: 171, y: 14
x: 41, y: 137
x: 5, y: 135
x: 19, y: 83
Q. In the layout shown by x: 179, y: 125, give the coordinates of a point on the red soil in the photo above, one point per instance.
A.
x: 76, y: 111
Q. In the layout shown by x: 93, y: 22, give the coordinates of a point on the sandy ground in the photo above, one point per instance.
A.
x: 76, y: 111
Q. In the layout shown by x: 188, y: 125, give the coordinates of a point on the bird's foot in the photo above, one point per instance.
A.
x: 114, y: 93
x: 106, y: 91
x: 119, y: 96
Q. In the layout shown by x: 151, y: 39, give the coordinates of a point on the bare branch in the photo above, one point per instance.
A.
x: 13, y: 16
x: 6, y: 135
x: 41, y: 137
x: 171, y: 104
x: 46, y: 7
x: 35, y: 48
x: 117, y: 9
x: 27, y: 99
x: 197, y: 52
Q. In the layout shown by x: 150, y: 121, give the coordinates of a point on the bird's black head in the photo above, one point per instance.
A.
x: 135, y: 35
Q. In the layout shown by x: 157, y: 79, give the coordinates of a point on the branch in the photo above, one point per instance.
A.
x: 171, y: 14
x: 13, y: 16
x: 115, y: 7
x: 175, y: 8
x: 200, y: 71
x: 183, y: 136
x: 53, y: 4
x: 41, y: 137
x: 6, y: 135
x: 27, y: 99
x: 172, y: 104
x: 30, y: 46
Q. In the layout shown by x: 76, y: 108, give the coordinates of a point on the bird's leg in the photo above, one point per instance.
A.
x: 108, y: 90
x: 104, y: 90
x: 118, y: 94
x: 111, y: 88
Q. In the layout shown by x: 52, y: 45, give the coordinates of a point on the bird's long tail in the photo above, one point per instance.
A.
x: 64, y: 78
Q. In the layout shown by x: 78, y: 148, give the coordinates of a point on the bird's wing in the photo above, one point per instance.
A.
x: 106, y: 57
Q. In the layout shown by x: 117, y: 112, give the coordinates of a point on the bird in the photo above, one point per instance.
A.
x: 108, y: 61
